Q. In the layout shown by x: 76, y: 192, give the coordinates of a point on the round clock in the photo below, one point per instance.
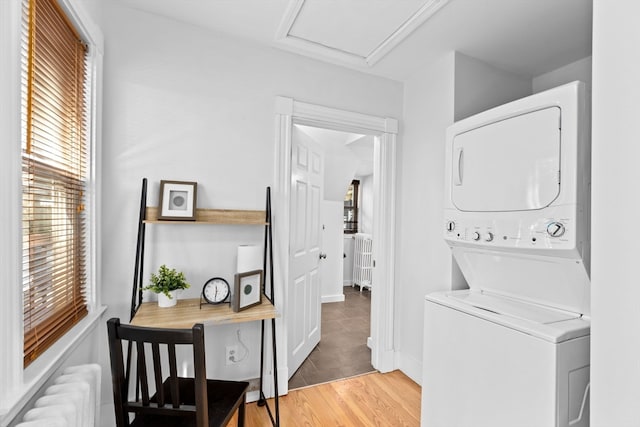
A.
x: 216, y: 290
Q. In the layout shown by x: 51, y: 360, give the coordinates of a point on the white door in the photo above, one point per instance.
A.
x: 307, y: 170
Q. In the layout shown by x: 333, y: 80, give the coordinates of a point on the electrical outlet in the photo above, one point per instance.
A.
x: 231, y: 355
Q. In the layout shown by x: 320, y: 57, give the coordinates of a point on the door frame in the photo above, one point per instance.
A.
x: 290, y: 112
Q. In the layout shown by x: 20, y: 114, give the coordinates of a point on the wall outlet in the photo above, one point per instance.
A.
x: 231, y: 354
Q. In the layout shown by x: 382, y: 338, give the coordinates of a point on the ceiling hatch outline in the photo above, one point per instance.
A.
x: 285, y: 39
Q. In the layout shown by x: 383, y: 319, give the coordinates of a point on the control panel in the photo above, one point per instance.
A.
x: 542, y: 233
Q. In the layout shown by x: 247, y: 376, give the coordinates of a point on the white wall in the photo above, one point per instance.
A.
x: 578, y: 70
x: 615, y: 295
x: 423, y: 262
x: 480, y: 86
x: 183, y: 103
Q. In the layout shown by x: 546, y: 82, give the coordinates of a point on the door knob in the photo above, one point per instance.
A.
x: 323, y: 256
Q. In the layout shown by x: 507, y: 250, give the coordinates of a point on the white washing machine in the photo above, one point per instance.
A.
x: 513, y: 349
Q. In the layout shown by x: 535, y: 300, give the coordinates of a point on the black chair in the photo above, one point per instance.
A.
x: 176, y: 401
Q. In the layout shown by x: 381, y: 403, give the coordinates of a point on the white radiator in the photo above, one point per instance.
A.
x: 73, y: 400
x: 362, y: 261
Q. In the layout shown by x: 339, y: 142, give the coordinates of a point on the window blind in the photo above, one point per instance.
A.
x: 54, y: 176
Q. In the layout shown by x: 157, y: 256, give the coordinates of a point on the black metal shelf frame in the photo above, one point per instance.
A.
x: 268, y: 291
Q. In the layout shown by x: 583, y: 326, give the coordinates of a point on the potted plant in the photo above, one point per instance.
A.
x: 165, y: 284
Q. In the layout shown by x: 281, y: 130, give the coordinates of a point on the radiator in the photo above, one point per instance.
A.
x: 362, y: 261
x: 73, y: 400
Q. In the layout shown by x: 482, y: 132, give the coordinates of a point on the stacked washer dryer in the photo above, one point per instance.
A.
x: 513, y: 349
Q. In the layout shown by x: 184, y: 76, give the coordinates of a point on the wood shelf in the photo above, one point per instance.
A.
x: 187, y: 312
x: 213, y: 216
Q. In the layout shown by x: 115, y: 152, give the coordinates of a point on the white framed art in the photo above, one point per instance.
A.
x: 247, y: 288
x: 178, y: 200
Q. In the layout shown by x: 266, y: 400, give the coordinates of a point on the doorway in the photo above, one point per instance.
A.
x: 333, y: 345
x: 288, y: 113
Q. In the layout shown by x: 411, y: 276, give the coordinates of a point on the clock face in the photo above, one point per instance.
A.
x: 216, y: 290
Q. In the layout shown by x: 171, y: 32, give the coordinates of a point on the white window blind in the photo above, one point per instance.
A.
x: 54, y: 176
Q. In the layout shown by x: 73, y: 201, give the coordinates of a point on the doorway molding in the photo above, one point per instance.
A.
x: 290, y: 112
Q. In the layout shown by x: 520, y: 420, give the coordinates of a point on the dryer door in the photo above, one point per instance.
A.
x: 509, y: 165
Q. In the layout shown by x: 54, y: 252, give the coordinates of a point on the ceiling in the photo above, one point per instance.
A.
x: 339, y: 143
x: 394, y: 38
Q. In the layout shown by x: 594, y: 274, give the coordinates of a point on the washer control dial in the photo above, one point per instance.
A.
x: 475, y: 236
x: 555, y: 229
x: 488, y: 237
x: 451, y: 226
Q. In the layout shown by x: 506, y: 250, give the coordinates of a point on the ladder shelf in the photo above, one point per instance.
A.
x: 214, y: 315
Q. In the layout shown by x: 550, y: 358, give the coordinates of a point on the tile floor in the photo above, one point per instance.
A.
x: 343, y: 350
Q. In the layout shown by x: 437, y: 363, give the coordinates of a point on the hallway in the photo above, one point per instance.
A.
x: 343, y: 351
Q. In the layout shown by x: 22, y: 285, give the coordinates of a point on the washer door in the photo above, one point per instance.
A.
x: 509, y: 165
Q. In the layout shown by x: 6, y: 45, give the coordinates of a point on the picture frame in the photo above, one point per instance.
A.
x: 177, y: 200
x: 247, y: 290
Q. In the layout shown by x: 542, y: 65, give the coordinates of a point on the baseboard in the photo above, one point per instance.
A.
x: 411, y: 367
x: 332, y: 298
x: 347, y: 283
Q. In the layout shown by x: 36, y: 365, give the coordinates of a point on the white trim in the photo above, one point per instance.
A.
x: 11, y: 334
x: 95, y: 181
x: 410, y: 366
x: 316, y: 50
x: 332, y: 298
x: 289, y: 111
x: 85, y: 26
x: 280, y: 219
x: 383, y: 299
x: 420, y: 17
x: 289, y: 18
x: 311, y: 114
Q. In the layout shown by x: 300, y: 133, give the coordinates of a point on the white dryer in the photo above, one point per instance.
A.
x: 513, y: 349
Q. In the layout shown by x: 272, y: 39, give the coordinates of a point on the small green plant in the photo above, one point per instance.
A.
x: 167, y: 280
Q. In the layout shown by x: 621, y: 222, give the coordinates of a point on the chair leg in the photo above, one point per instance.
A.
x: 241, y: 414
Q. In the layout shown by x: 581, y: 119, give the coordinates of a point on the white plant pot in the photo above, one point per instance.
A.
x: 164, y: 301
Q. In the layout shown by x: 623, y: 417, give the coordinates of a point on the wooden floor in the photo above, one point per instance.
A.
x: 374, y: 399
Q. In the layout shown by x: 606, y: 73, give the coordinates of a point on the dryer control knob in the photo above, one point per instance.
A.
x: 475, y: 236
x: 451, y: 226
x: 488, y: 237
x: 555, y: 229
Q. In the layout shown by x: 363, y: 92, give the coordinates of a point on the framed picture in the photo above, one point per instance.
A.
x: 178, y: 200
x: 247, y: 290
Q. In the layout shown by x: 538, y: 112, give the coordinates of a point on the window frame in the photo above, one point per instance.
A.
x: 55, y: 172
x: 21, y: 384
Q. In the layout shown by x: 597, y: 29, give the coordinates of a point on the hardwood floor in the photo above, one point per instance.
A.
x: 373, y: 399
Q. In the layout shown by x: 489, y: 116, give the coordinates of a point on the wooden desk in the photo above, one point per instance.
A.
x: 188, y: 312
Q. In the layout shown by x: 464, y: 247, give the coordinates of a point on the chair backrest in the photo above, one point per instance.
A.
x: 167, y: 399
